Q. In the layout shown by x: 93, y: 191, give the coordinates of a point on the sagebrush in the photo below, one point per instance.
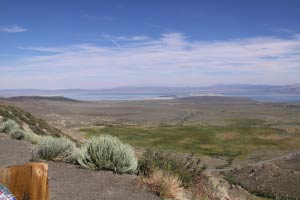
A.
x: 11, y: 128
x: 37, y: 125
x: 109, y: 153
x: 53, y: 148
x: 17, y: 133
x: 32, y: 137
x: 8, y: 126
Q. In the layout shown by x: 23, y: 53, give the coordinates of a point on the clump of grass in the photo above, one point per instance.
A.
x: 165, y: 185
x: 109, y: 153
x: 52, y: 148
x: 186, y: 168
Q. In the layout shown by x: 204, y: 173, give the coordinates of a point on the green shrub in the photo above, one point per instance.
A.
x: 187, y: 168
x: 1, y: 127
x: 108, y: 152
x: 52, y: 148
x: 37, y: 125
x: 11, y: 128
x: 17, y: 134
x: 9, y: 125
x: 32, y: 137
x: 78, y: 156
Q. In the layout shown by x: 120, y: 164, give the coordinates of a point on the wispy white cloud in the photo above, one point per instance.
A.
x: 44, y: 49
x: 12, y: 29
x: 132, y: 38
x: 109, y: 38
x: 116, y: 40
x: 172, y: 60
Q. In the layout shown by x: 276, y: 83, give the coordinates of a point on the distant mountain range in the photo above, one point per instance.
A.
x: 33, y: 98
x: 216, y: 89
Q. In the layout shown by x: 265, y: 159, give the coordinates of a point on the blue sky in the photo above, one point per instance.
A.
x: 104, y: 44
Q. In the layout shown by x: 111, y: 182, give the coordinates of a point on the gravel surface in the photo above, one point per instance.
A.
x: 13, y: 151
x: 69, y: 182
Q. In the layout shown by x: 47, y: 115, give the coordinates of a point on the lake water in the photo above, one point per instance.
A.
x: 257, y: 97
x: 94, y: 96
x: 277, y: 98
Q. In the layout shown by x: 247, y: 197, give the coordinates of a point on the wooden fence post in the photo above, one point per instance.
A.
x: 26, y: 182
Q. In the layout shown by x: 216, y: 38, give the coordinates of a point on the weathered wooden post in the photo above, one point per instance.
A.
x: 26, y: 182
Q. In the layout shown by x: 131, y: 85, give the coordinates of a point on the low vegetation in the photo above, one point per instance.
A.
x: 32, y: 137
x: 238, y: 139
x: 12, y: 129
x: 51, y: 148
x: 164, y: 185
x: 167, y: 174
x: 103, y: 152
x: 17, y: 134
x: 37, y: 125
x: 8, y: 126
x: 110, y: 153
x: 185, y: 167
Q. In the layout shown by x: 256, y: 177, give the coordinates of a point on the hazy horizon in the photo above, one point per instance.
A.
x: 157, y: 86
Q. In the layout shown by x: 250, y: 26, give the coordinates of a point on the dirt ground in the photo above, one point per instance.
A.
x: 203, y: 110
x: 279, y: 178
x: 69, y: 182
x: 13, y: 151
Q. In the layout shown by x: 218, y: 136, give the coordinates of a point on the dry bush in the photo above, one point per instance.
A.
x: 187, y: 168
x: 167, y: 186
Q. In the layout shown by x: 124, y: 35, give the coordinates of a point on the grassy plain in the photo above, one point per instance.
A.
x: 238, y: 139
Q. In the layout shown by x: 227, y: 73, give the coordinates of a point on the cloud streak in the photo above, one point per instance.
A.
x: 171, y: 60
x: 12, y: 29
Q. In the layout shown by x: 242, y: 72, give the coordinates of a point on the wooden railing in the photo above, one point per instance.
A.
x: 26, y: 182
